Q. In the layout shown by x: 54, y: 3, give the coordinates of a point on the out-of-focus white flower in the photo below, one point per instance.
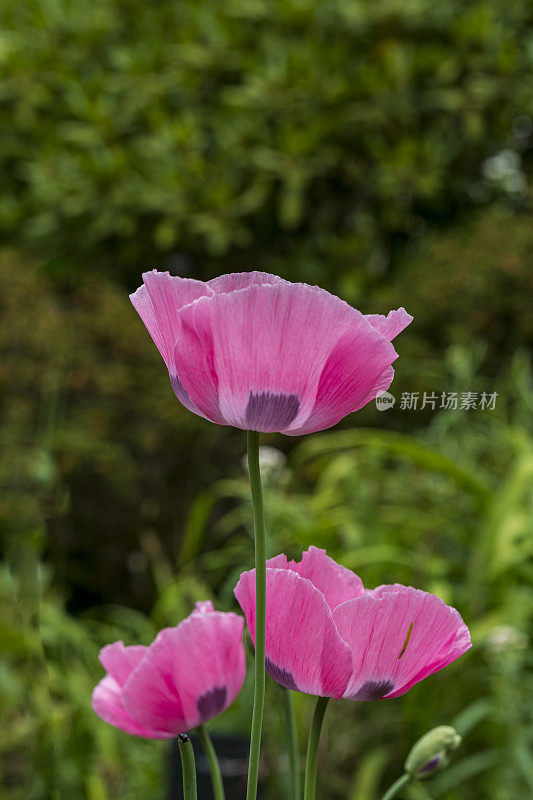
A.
x: 272, y: 463
x: 505, y: 637
x: 505, y: 170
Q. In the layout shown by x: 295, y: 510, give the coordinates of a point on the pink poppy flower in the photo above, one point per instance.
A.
x: 259, y: 353
x: 328, y: 636
x: 187, y: 676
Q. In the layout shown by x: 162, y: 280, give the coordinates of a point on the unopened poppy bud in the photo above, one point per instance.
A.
x: 430, y: 753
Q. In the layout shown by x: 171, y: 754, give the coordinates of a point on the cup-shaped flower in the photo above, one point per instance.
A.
x: 260, y: 353
x: 187, y: 676
x: 326, y: 635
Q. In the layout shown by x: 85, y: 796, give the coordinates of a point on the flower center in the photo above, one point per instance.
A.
x: 373, y: 690
x: 271, y: 412
x: 280, y: 675
x: 212, y: 702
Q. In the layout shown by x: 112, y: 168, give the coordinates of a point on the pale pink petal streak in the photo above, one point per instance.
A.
x: 203, y: 607
x: 336, y: 583
x: 391, y: 325
x: 278, y: 562
x: 107, y: 703
x: 241, y: 280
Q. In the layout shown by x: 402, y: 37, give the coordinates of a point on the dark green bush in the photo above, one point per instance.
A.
x: 86, y: 405
x: 448, y: 510
x: 93, y: 439
x: 323, y: 140
x: 316, y: 134
x: 469, y: 284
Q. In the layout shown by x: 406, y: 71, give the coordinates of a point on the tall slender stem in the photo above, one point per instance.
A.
x: 188, y: 767
x: 312, y: 748
x: 214, y: 766
x: 294, y: 753
x: 393, y: 790
x: 260, y: 614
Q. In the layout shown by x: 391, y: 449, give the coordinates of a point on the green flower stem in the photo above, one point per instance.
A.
x: 312, y: 748
x: 393, y: 790
x: 188, y: 767
x: 214, y: 766
x: 260, y: 614
x: 294, y: 754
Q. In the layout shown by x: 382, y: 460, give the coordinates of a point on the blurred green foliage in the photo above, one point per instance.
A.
x: 87, y: 411
x: 93, y: 439
x: 324, y: 131
x: 380, y: 149
x: 470, y: 286
x: 449, y: 510
x: 112, y: 493
x: 50, y: 745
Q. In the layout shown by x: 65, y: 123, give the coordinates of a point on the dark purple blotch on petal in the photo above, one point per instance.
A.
x: 373, y: 690
x: 271, y: 412
x: 212, y: 702
x: 280, y: 675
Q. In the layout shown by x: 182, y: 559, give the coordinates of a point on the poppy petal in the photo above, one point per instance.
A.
x: 358, y: 368
x: 255, y: 356
x: 241, y: 280
x: 391, y: 325
x: 120, y: 661
x: 336, y: 583
x: 158, y: 301
x: 190, y: 673
x: 107, y: 703
x: 303, y: 649
x: 398, y: 636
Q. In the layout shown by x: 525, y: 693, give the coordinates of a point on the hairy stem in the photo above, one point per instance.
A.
x: 292, y: 737
x: 214, y: 766
x: 188, y: 767
x: 260, y: 613
x: 393, y: 790
x: 312, y: 748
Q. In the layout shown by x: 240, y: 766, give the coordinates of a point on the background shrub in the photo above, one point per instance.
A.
x: 323, y: 134
x: 380, y: 149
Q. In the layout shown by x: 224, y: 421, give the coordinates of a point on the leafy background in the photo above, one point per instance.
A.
x: 379, y: 149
